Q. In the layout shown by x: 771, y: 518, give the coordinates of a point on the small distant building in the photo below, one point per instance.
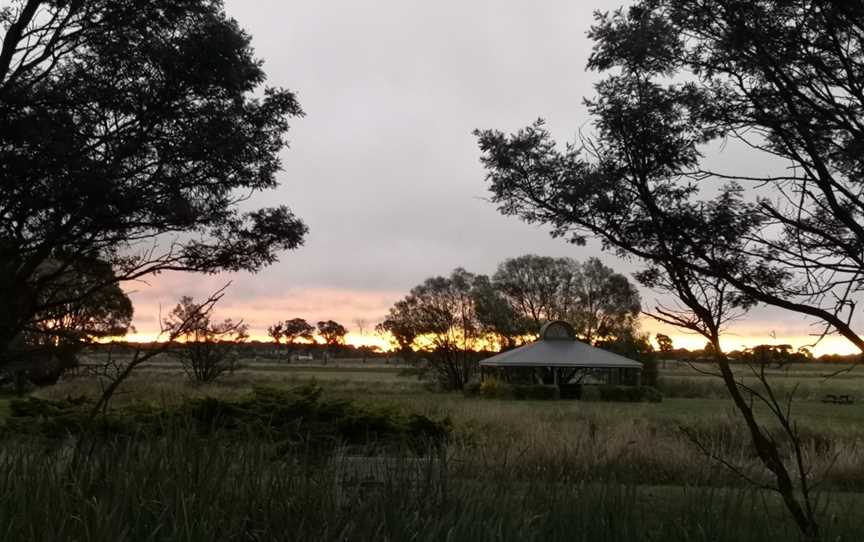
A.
x: 558, y: 358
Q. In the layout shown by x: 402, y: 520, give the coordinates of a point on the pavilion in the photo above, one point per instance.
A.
x: 558, y: 358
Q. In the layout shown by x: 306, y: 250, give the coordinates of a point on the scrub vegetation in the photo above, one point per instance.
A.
x: 261, y: 454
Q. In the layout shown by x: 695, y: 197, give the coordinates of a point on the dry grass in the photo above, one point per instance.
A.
x: 560, y: 440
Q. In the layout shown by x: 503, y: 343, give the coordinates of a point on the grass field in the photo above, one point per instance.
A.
x: 515, y: 470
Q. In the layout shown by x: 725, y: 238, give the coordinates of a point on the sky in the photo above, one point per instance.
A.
x: 384, y: 168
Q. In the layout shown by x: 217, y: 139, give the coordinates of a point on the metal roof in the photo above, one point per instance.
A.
x: 558, y: 347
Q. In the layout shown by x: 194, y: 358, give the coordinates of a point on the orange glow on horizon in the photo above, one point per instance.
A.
x: 352, y: 339
x: 730, y: 342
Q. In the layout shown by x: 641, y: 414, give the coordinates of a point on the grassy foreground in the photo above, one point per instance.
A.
x: 183, y: 488
x: 512, y: 470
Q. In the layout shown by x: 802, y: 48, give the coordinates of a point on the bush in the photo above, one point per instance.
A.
x: 299, y: 418
x: 536, y: 392
x: 624, y: 394
x: 494, y: 388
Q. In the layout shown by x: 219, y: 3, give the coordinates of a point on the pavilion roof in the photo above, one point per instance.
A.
x: 558, y: 347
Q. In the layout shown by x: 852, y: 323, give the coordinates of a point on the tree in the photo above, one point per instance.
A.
x: 664, y: 342
x: 778, y: 355
x: 50, y: 344
x: 599, y: 303
x: 538, y: 288
x: 332, y: 332
x: 113, y: 373
x: 497, y: 316
x: 276, y: 332
x: 440, y: 315
x: 606, y: 303
x: 399, y: 327
x: 208, y: 349
x: 784, y: 79
x: 130, y: 133
x: 297, y: 328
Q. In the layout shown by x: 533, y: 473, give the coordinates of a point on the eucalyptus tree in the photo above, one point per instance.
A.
x: 600, y: 303
x: 782, y: 78
x: 208, y: 349
x: 131, y: 132
x: 440, y: 316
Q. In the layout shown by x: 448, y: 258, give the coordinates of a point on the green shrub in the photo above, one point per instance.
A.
x: 625, y: 394
x: 494, y: 388
x: 535, y: 391
x: 293, y: 418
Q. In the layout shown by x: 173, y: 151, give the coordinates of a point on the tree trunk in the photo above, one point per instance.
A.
x: 767, y: 450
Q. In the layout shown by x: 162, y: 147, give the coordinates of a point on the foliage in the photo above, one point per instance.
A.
x: 291, y: 330
x: 778, y: 355
x: 50, y: 345
x: 103, y: 311
x: 781, y: 78
x: 297, y: 328
x: 664, y: 343
x: 496, y: 316
x: 293, y: 419
x: 130, y: 133
x: 208, y: 348
x: 599, y: 303
x: 495, y: 388
x: 442, y: 313
x: 332, y: 332
x: 276, y: 332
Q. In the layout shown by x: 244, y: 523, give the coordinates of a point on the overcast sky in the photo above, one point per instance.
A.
x: 384, y: 168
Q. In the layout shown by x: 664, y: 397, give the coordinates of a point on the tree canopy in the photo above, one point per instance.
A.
x: 131, y: 132
x: 598, y: 302
x: 332, y: 332
x: 208, y: 348
x: 783, y: 79
x: 456, y: 316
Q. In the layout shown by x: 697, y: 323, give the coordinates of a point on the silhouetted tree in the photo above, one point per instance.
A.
x: 208, y: 349
x: 399, y: 328
x: 664, y: 343
x: 297, y: 328
x: 538, y: 288
x: 332, y: 332
x: 51, y: 343
x: 129, y: 132
x: 778, y: 355
x: 497, y: 316
x: 276, y: 332
x: 599, y: 303
x: 440, y: 315
x: 781, y: 77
